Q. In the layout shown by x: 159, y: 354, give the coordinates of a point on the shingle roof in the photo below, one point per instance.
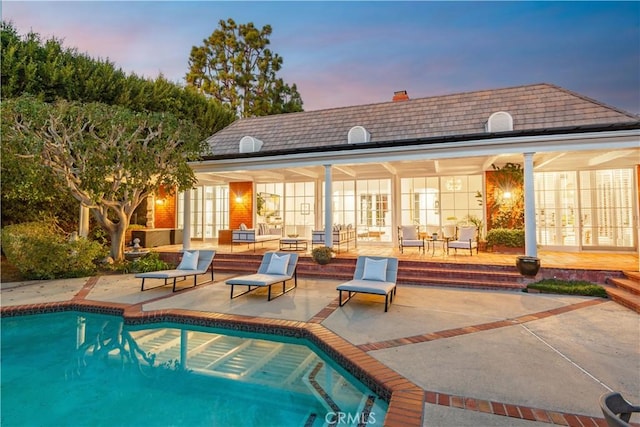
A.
x: 533, y: 107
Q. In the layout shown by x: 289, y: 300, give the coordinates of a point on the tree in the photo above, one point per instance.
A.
x: 235, y: 67
x: 110, y: 158
x: 49, y: 71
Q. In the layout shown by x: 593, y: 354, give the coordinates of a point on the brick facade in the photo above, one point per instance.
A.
x: 240, y: 204
x: 165, y: 209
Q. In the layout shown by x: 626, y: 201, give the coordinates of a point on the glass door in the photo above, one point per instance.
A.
x: 607, y: 201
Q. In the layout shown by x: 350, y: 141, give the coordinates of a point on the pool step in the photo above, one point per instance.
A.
x: 249, y: 360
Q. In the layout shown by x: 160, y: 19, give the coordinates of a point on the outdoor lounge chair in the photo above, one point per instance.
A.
x: 193, y: 264
x: 466, y: 240
x: 409, y: 236
x: 276, y: 267
x: 373, y: 275
x: 617, y: 411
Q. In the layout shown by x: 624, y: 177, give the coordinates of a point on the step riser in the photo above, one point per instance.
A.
x: 346, y: 272
x: 628, y: 285
x: 626, y: 291
x: 410, y: 272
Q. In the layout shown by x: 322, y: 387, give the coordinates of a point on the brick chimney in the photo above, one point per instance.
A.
x: 400, y: 95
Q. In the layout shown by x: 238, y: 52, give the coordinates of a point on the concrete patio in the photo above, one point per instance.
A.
x: 481, y: 358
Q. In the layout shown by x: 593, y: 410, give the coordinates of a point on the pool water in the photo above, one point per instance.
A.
x: 78, y: 369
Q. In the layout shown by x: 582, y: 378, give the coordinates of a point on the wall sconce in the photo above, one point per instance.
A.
x: 507, y: 195
x: 160, y: 201
x: 238, y: 197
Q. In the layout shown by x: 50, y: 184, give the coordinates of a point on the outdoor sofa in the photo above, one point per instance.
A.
x: 341, y: 236
x: 260, y: 235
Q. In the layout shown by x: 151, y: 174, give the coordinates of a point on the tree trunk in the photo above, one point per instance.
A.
x: 117, y: 242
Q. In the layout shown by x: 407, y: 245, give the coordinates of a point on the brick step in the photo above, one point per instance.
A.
x: 457, y: 266
x: 631, y: 286
x: 460, y: 273
x: 411, y: 273
x: 623, y: 297
x: 633, y: 275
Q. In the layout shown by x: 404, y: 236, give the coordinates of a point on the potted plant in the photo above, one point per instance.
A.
x: 506, y: 240
x: 479, y: 224
x: 528, y: 265
x: 322, y: 255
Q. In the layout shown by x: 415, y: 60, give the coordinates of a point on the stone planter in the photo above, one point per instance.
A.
x: 528, y: 265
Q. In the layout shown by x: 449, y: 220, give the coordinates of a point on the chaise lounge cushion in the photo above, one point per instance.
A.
x: 367, y: 287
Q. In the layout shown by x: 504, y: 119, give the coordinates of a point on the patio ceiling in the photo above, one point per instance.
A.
x: 543, y: 162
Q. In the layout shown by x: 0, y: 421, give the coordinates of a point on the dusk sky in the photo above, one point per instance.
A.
x: 352, y: 53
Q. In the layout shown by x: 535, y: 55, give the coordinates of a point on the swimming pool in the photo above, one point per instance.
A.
x: 80, y: 369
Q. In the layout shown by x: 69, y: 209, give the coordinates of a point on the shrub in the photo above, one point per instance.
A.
x: 149, y: 262
x: 569, y: 287
x: 41, y: 250
x: 322, y: 255
x: 513, y: 238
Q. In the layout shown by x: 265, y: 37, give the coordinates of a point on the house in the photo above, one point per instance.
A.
x: 427, y: 161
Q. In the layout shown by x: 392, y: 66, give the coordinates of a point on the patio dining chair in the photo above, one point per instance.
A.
x: 409, y: 236
x: 466, y: 240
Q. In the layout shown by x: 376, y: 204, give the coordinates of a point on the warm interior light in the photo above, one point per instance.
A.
x: 159, y: 202
x: 239, y: 198
x: 507, y: 194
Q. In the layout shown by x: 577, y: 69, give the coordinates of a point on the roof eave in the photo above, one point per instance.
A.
x: 434, y: 140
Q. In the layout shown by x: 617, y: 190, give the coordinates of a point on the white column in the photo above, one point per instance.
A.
x: 317, y: 203
x: 83, y: 227
x: 328, y: 208
x: 186, y: 221
x: 530, y: 244
x: 396, y: 198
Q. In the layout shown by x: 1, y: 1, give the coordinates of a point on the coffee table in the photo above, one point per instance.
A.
x: 293, y: 244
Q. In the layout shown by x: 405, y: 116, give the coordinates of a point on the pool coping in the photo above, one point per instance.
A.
x: 405, y: 399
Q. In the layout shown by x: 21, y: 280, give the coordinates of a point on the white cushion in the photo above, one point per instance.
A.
x: 189, y: 261
x: 367, y: 287
x: 278, y: 264
x: 375, y: 269
x: 467, y: 233
x: 243, y: 226
x: 409, y: 232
